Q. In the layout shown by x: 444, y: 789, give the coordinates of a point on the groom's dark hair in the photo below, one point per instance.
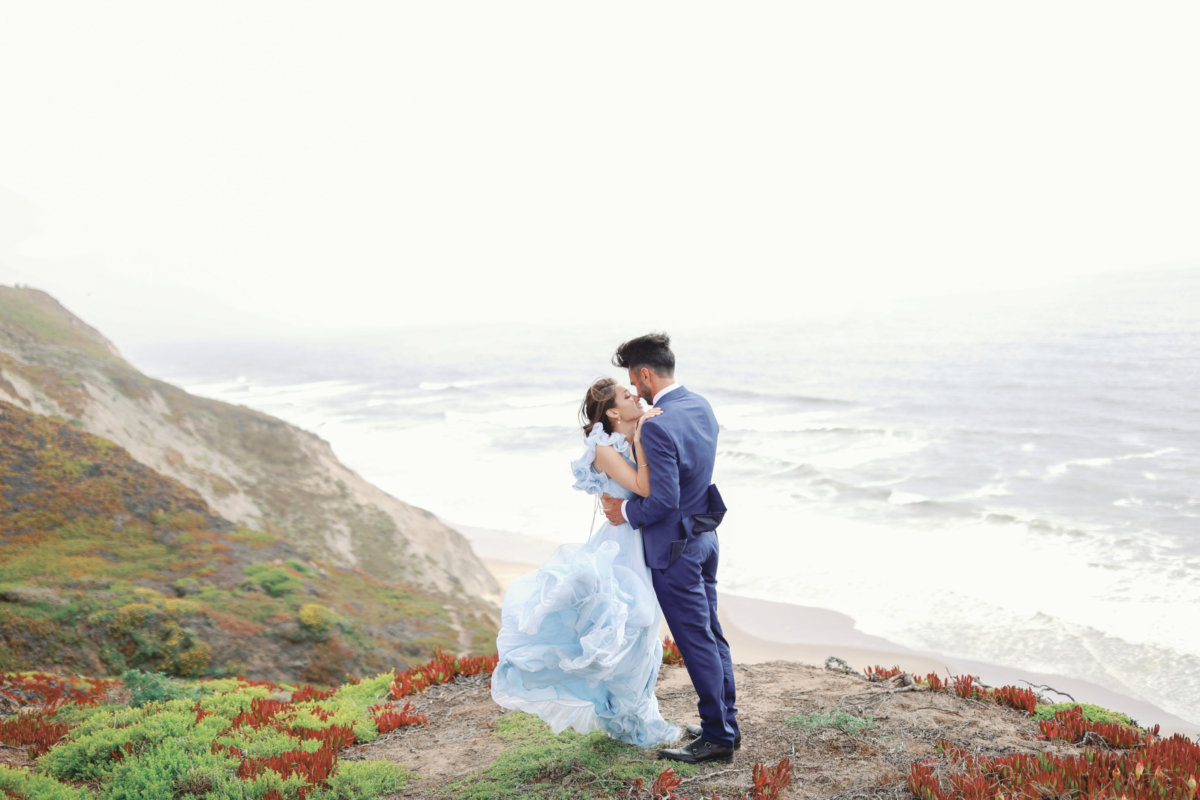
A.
x: 652, y: 350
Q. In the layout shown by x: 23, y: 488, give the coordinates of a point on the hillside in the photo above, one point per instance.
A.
x: 106, y: 564
x: 250, y: 468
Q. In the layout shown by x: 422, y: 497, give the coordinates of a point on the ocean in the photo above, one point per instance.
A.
x: 1010, y: 478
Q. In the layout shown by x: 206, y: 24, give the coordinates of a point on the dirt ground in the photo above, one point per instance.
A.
x: 15, y: 757
x: 456, y: 742
x: 827, y: 763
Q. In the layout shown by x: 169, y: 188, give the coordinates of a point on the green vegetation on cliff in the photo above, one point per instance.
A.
x: 227, y: 739
x: 107, y: 565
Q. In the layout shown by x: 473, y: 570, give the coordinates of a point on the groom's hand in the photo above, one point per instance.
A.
x: 612, y: 509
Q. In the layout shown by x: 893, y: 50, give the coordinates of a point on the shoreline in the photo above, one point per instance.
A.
x: 762, y: 631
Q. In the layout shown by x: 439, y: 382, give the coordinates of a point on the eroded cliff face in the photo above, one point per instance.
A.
x: 251, y: 468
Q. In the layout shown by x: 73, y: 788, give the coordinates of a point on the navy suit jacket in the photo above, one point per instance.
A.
x: 680, y: 445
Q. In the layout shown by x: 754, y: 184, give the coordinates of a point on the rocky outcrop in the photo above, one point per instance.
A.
x: 251, y: 468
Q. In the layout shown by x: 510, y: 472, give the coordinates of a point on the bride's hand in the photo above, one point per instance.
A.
x: 650, y: 412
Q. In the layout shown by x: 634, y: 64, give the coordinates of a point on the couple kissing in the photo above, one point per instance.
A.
x: 579, y: 642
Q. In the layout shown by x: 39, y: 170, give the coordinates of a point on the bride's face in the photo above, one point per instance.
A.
x: 628, y: 405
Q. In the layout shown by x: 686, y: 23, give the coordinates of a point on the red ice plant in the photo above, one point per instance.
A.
x: 1069, y: 725
x: 1163, y: 770
x: 53, y: 692
x: 671, y: 655
x: 315, y: 768
x: 665, y: 785
x: 389, y: 718
x: 965, y: 686
x: 308, y: 693
x: 769, y: 783
x: 39, y: 731
x: 442, y: 668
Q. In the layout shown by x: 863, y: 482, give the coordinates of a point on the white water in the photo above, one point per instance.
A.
x: 1016, y: 482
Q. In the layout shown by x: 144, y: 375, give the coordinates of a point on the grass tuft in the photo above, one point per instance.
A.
x: 838, y: 719
x: 540, y: 764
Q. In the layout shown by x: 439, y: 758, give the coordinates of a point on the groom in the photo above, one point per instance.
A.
x: 678, y: 522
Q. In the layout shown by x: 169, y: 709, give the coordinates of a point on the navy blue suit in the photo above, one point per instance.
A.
x: 678, y: 528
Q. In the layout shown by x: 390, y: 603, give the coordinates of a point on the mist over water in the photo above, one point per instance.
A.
x: 1005, y: 479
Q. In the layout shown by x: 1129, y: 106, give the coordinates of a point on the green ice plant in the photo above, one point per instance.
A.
x: 164, y: 748
x: 31, y: 786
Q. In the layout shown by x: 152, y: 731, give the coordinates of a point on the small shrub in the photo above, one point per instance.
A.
x: 277, y: 581
x: 316, y: 618
x: 153, y: 687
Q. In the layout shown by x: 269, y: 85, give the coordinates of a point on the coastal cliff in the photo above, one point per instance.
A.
x: 252, y: 469
x: 107, y: 565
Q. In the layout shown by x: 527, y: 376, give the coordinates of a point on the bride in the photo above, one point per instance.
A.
x: 578, y: 642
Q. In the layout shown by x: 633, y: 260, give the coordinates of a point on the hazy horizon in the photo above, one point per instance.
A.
x: 299, y: 169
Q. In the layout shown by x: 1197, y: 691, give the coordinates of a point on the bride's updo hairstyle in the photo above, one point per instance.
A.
x: 600, y: 397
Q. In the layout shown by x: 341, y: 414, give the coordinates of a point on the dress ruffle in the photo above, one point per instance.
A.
x: 587, y: 479
x: 579, y: 638
x: 579, y: 645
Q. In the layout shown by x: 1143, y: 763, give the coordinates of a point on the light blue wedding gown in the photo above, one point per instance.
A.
x: 579, y: 641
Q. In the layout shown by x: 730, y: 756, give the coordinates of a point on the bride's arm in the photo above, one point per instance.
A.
x: 610, y: 462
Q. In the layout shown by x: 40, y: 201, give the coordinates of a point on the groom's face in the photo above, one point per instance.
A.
x: 635, y: 379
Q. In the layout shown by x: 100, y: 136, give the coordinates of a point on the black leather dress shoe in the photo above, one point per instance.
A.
x: 695, y: 731
x: 699, y: 752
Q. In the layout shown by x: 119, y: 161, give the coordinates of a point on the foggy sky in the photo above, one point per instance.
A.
x: 222, y: 169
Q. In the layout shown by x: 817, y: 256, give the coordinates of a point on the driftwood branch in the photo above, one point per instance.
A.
x: 885, y: 692
x: 1049, y: 688
x: 710, y: 775
x: 835, y: 664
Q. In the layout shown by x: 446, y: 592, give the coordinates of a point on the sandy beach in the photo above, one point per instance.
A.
x: 760, y: 631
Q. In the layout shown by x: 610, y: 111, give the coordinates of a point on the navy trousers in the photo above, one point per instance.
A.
x: 687, y: 592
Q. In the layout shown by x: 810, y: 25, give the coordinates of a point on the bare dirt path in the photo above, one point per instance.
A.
x: 456, y: 742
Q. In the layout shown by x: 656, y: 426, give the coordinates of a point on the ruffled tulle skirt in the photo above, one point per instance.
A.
x: 579, y: 642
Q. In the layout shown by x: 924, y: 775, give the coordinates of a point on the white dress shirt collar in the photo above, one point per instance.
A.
x: 665, y: 390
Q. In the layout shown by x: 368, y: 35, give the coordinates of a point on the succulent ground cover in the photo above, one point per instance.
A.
x: 149, y: 736
x: 224, y: 738
x: 432, y: 731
